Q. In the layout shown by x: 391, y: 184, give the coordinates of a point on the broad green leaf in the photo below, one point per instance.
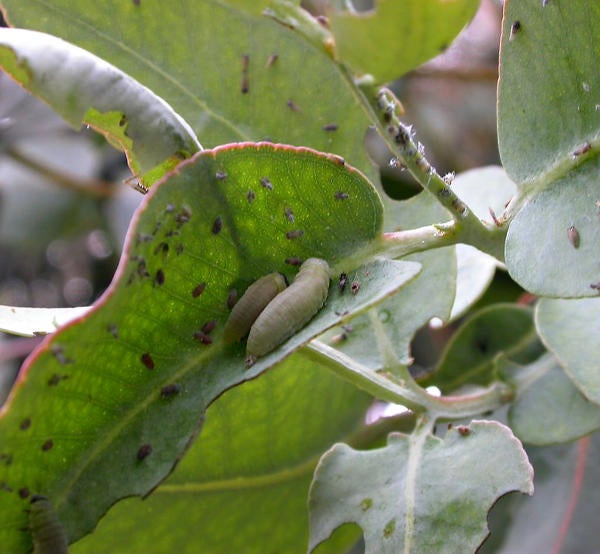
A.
x: 548, y: 409
x: 552, y: 244
x: 193, y: 56
x: 562, y: 515
x: 86, y: 90
x: 30, y: 322
x: 547, y: 95
x: 469, y: 356
x: 91, y: 402
x: 570, y: 329
x: 548, y: 131
x: 419, y: 493
x: 243, y: 486
x: 396, y: 37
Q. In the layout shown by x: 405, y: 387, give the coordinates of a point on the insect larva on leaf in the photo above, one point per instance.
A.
x: 249, y: 306
x: 290, y: 310
x: 48, y: 534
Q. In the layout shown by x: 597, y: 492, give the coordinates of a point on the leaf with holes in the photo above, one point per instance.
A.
x: 154, y: 136
x: 109, y: 403
x: 420, y: 493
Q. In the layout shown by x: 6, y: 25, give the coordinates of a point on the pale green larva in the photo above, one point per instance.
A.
x: 48, y: 534
x: 290, y: 310
x: 251, y: 304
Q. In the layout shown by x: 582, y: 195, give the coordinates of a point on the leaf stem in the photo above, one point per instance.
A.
x: 410, y: 154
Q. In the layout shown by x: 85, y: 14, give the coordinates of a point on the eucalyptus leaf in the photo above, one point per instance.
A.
x: 216, y: 49
x: 469, y: 356
x: 92, y: 418
x: 243, y: 486
x: 548, y: 408
x: 570, y: 329
x: 419, y: 493
x: 396, y: 37
x: 127, y: 113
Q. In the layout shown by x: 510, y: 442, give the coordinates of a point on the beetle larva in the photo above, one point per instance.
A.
x: 49, y: 536
x: 249, y: 306
x: 290, y: 310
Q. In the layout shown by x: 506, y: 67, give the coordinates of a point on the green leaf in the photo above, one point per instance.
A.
x: 547, y: 96
x: 562, y: 515
x: 543, y: 253
x: 402, y: 315
x: 548, y: 137
x: 198, y: 68
x: 469, y: 356
x: 548, y: 409
x: 570, y: 329
x: 128, y: 114
x: 419, y: 493
x: 396, y: 37
x: 243, y: 486
x: 91, y: 402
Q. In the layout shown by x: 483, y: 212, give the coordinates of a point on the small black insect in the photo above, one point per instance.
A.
x: 217, y: 225
x: 170, y: 390
x: 144, y: 451
x: 198, y: 290
x: 147, y: 360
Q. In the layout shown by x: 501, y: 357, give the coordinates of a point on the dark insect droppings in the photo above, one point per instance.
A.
x: 342, y: 281
x: 232, y: 298
x: 217, y: 226
x: 170, y: 390
x: 147, y: 360
x: 144, y: 451
x: 112, y: 329
x: 48, y: 445
x: 296, y: 234
x: 208, y: 327
x: 202, y: 337
x: 266, y: 183
x: 198, y: 290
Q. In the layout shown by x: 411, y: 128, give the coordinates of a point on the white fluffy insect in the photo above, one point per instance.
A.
x: 289, y: 310
x: 48, y: 534
x: 251, y: 304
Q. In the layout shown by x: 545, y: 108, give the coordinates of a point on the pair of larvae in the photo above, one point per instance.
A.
x: 269, y: 312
